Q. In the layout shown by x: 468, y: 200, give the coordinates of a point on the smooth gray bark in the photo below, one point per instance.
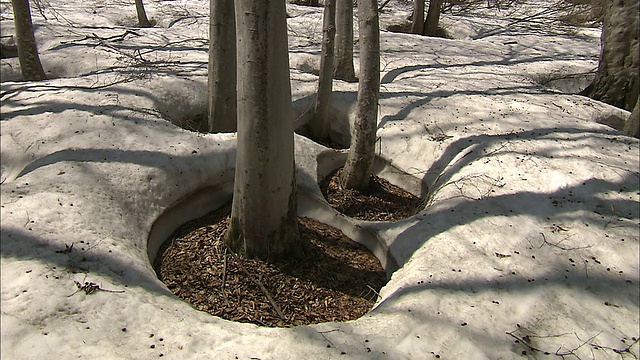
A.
x: 321, y: 124
x: 417, y: 23
x: 263, y: 217
x: 344, y: 41
x: 143, y: 21
x: 616, y: 80
x: 433, y: 18
x: 358, y: 167
x: 30, y: 64
x: 222, y: 105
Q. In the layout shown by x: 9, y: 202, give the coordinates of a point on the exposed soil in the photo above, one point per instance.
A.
x: 339, y: 280
x: 382, y: 201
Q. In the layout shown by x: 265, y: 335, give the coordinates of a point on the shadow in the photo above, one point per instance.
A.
x: 560, y: 203
x: 22, y: 245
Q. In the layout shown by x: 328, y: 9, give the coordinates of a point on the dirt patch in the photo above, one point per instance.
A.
x: 382, y: 201
x: 339, y: 281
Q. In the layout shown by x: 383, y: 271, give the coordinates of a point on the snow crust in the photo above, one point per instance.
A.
x: 530, y: 229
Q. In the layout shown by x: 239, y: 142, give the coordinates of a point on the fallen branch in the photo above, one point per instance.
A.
x: 273, y: 303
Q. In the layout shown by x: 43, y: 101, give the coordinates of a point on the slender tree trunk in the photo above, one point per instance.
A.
x: 433, y: 18
x: 632, y: 125
x: 616, y: 80
x: 359, y: 165
x: 143, y: 21
x: 344, y: 41
x: 263, y: 217
x: 26, y: 42
x: 417, y: 23
x: 222, y: 67
x: 321, y: 124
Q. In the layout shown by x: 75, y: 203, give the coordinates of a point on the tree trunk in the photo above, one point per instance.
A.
x: 632, y: 125
x: 222, y: 67
x: 30, y: 64
x: 417, y: 24
x: 433, y: 18
x: 358, y: 168
x: 263, y: 217
x: 321, y: 124
x: 143, y: 21
x: 344, y: 41
x: 616, y: 80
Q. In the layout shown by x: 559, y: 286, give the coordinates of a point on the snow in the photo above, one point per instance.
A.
x: 531, y: 225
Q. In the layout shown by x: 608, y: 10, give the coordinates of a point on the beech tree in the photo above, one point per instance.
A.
x: 429, y: 26
x: 616, y: 80
x: 263, y: 220
x: 433, y: 18
x: 359, y: 165
x: 222, y: 77
x: 632, y: 126
x: 30, y: 64
x: 321, y: 124
x: 143, y: 21
x: 344, y: 41
x: 417, y: 22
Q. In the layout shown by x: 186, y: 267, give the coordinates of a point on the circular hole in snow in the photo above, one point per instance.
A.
x: 392, y: 194
x: 341, y: 115
x: 339, y: 279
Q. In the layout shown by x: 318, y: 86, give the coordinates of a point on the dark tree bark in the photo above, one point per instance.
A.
x: 143, y: 21
x: 417, y: 23
x: 632, y: 125
x: 616, y: 80
x: 30, y: 64
x: 359, y: 165
x: 222, y: 67
x: 433, y: 18
x: 321, y: 125
x: 263, y: 220
x: 344, y: 41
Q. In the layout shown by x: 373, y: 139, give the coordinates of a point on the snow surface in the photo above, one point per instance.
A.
x: 531, y: 227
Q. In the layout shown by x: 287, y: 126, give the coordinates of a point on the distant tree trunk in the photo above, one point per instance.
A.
x: 433, y: 18
x: 344, y: 41
x: 616, y: 80
x: 222, y: 67
x: 143, y: 21
x: 632, y: 125
x: 358, y: 167
x: 417, y: 23
x: 321, y: 124
x: 309, y: 2
x: 30, y: 64
x: 263, y: 217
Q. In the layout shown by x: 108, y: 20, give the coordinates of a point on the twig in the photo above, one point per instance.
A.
x: 91, y: 287
x: 544, y: 241
x: 617, y: 351
x: 572, y: 351
x: 264, y: 290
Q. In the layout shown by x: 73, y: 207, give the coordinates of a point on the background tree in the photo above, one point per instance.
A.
x: 222, y: 77
x: 632, y: 126
x: 616, y: 80
x: 359, y: 165
x: 433, y: 18
x: 321, y: 124
x: 143, y: 21
x: 30, y: 64
x: 417, y: 22
x: 344, y: 41
x: 263, y: 216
